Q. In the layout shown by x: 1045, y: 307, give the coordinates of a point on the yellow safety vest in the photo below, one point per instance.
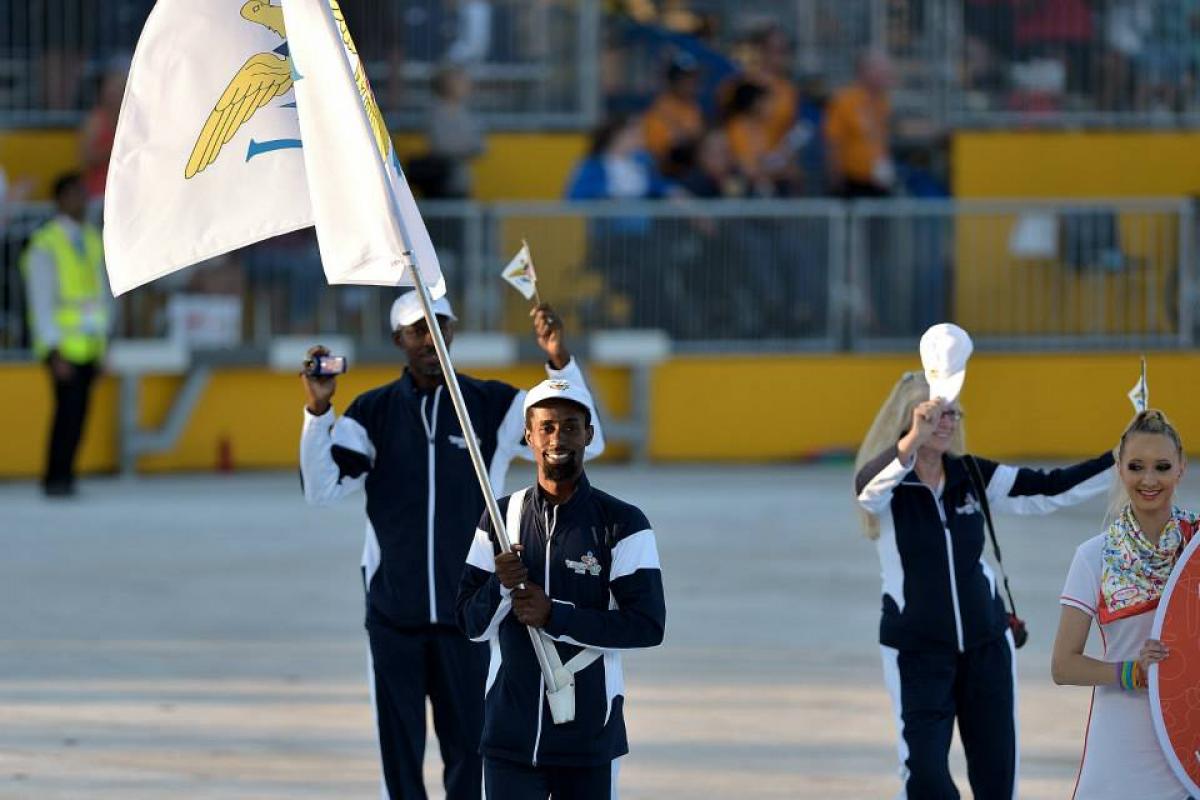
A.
x: 79, y: 292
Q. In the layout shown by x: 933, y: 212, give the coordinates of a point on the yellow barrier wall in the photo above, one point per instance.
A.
x: 1049, y: 164
x: 1018, y: 406
x: 516, y: 166
x: 703, y: 409
x: 1075, y: 164
x: 257, y: 411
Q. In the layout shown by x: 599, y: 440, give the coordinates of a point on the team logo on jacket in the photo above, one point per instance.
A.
x: 587, y: 565
x: 559, y: 385
x: 971, y: 506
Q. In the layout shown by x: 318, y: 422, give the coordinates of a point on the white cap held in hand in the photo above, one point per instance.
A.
x: 945, y: 349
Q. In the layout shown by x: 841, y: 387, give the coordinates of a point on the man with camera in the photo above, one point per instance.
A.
x: 402, y: 444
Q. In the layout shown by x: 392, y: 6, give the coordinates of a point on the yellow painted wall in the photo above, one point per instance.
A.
x: 258, y: 411
x: 40, y: 155
x: 736, y: 408
x: 1076, y: 164
x: 1063, y: 164
x: 1018, y: 406
x: 517, y: 166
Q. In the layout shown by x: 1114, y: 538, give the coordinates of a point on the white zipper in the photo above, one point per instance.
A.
x: 537, y: 741
x: 958, y: 625
x: 430, y: 430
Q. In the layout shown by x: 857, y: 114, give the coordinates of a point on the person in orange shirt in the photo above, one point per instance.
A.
x: 773, y: 71
x: 675, y: 121
x: 769, y: 171
x: 857, y: 132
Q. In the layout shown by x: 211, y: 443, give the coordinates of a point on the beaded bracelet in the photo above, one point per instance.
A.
x: 1131, y: 676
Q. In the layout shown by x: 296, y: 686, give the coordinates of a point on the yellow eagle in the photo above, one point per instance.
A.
x: 264, y: 77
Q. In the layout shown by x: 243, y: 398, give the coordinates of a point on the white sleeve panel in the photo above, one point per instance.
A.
x: 1001, y: 484
x: 877, y: 494
x: 1046, y: 504
x: 319, y: 472
x: 483, y: 556
x: 509, y: 442
x: 350, y: 434
x: 639, y: 551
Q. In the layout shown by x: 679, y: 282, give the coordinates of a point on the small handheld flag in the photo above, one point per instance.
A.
x: 1139, y: 395
x: 521, y: 275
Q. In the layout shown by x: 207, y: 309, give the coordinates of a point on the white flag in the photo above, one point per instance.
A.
x: 519, y: 273
x: 1139, y: 395
x: 209, y: 154
x: 363, y: 209
x: 206, y: 157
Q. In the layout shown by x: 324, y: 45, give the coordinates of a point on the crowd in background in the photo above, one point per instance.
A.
x: 701, y: 99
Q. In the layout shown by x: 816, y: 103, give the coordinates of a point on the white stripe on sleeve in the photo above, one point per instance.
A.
x: 639, y: 551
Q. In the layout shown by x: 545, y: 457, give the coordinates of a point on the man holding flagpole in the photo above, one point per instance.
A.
x: 402, y: 444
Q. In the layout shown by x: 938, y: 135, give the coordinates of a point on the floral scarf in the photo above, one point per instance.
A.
x: 1133, y: 571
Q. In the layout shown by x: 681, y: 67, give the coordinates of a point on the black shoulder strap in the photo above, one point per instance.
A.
x: 976, y: 477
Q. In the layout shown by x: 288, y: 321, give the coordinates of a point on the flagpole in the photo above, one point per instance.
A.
x: 468, y: 430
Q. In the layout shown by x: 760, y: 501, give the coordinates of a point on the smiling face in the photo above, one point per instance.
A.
x: 558, y: 431
x: 944, y: 433
x: 1151, y: 467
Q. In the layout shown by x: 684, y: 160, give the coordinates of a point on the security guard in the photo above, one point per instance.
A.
x: 69, y: 320
x: 402, y: 443
x: 585, y: 573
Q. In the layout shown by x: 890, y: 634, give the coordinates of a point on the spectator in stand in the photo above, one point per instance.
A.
x: 857, y: 132
x: 770, y: 171
x: 713, y: 173
x: 618, y: 167
x: 455, y: 135
x: 100, y: 131
x: 674, y: 123
x: 771, y: 68
x: 1062, y: 31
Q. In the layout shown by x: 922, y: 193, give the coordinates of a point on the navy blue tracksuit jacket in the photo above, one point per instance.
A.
x: 597, y: 560
x: 938, y: 592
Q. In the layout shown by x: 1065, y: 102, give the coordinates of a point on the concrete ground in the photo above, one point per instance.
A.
x: 200, y: 637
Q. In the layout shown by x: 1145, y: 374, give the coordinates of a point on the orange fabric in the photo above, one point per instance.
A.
x: 748, y: 141
x: 671, y: 121
x: 782, y: 102
x: 856, y: 127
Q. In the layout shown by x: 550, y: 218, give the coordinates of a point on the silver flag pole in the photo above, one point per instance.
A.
x: 464, y: 420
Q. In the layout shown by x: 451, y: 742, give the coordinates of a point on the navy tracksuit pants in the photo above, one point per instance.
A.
x: 932, y: 689
x: 508, y: 780
x: 410, y: 664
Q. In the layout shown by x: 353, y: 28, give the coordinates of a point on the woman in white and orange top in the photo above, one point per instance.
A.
x: 1117, y: 579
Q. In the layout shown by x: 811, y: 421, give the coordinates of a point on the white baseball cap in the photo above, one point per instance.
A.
x: 407, y: 309
x: 945, y: 349
x: 559, y: 389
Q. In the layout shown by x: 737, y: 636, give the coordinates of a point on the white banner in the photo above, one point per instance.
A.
x: 362, y: 206
x: 207, y: 153
x: 210, y: 156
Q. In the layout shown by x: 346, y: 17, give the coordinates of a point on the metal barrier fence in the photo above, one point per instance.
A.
x: 719, y: 275
x: 534, y: 64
